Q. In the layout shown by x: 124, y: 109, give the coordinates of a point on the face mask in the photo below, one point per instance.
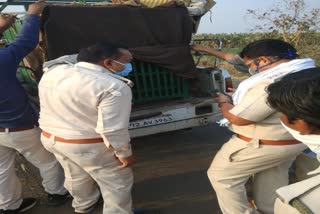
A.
x: 253, y: 72
x: 126, y: 70
x: 311, y: 140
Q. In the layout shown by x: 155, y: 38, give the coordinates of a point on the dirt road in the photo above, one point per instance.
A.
x: 170, y: 173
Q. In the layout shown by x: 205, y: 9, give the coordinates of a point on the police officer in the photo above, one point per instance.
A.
x: 84, y: 115
x: 261, y: 146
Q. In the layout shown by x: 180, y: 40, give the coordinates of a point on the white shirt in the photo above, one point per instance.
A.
x: 84, y: 101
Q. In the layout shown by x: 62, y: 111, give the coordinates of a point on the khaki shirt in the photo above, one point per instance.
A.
x: 254, y: 107
x: 84, y: 101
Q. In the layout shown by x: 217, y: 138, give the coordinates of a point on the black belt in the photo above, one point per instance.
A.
x: 18, y: 129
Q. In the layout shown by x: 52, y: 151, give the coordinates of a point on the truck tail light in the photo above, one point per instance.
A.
x: 228, y: 84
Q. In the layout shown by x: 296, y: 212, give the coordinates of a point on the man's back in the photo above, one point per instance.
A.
x: 72, y: 98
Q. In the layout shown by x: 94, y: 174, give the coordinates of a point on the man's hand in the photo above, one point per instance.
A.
x: 231, y: 91
x: 199, y: 48
x: 126, y: 162
x: 37, y: 8
x: 221, y: 98
x: 6, y: 21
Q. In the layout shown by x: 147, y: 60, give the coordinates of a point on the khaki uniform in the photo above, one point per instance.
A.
x: 86, y: 101
x: 238, y: 160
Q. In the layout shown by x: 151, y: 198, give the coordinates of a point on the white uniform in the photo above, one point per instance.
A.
x: 85, y: 101
x: 29, y: 145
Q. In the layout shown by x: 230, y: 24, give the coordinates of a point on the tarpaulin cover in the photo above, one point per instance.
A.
x: 154, y: 35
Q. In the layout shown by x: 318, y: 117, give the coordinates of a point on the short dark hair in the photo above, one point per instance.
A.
x: 99, y: 51
x: 270, y: 48
x: 297, y: 95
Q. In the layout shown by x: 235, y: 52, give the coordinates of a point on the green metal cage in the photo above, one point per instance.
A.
x: 154, y: 83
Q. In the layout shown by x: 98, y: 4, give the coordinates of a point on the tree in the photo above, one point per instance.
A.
x: 289, y: 18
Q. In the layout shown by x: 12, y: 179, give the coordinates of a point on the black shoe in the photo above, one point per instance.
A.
x: 27, y: 204
x: 57, y: 200
x: 145, y: 211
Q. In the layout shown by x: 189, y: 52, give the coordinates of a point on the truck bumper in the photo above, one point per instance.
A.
x: 172, y: 118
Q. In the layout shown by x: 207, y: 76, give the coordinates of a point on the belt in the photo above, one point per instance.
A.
x: 270, y: 142
x: 18, y: 129
x: 75, y: 141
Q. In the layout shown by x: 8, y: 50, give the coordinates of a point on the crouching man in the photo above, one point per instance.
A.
x: 297, y: 97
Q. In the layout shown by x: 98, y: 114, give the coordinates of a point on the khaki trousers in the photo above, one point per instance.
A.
x: 28, y: 144
x: 88, y: 168
x: 237, y: 161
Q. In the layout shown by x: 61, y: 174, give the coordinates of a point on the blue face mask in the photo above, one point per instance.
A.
x: 126, y: 69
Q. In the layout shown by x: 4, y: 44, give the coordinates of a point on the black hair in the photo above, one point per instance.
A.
x: 99, y: 51
x: 297, y: 95
x: 269, y: 48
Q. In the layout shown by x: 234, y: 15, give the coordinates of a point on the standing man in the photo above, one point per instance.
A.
x: 297, y: 97
x: 261, y: 146
x: 19, y: 130
x: 84, y: 114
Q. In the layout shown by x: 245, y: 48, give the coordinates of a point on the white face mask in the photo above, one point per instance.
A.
x: 310, y: 140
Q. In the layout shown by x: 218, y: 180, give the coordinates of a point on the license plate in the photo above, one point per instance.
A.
x: 151, y: 121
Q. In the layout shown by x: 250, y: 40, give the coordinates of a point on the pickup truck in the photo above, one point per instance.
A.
x: 162, y: 101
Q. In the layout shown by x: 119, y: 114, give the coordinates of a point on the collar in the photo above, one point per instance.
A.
x: 93, y: 67
x: 98, y: 68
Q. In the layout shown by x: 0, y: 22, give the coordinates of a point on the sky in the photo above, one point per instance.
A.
x: 229, y: 16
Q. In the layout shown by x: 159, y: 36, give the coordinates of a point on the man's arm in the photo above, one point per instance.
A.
x: 253, y: 107
x: 231, y: 58
x: 113, y: 121
x: 28, y: 38
x: 226, y: 105
x: 221, y: 55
